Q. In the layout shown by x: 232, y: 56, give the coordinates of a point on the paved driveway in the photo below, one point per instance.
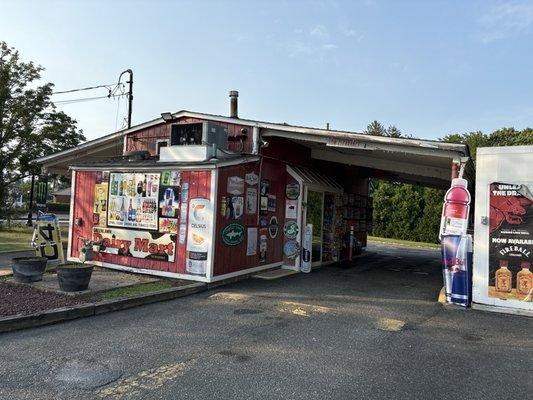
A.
x: 370, y: 331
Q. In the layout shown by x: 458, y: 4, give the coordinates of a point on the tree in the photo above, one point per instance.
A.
x: 30, y: 126
x: 376, y: 129
x: 394, y: 132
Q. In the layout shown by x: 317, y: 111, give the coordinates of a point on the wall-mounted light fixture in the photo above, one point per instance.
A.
x: 167, y: 117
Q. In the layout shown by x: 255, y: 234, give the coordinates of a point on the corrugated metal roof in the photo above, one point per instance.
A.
x: 315, y: 179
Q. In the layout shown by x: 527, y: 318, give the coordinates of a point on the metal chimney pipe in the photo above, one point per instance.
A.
x: 233, y: 104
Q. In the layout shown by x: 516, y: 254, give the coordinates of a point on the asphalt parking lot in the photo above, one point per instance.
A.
x: 373, y: 330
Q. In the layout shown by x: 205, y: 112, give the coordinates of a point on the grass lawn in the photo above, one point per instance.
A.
x: 403, y: 242
x: 19, y: 238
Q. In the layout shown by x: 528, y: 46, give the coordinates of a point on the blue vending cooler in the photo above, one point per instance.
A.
x: 457, y: 269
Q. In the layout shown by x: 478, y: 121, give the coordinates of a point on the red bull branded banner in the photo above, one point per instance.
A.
x: 457, y: 268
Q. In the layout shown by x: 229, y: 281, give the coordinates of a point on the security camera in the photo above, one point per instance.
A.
x: 263, y: 143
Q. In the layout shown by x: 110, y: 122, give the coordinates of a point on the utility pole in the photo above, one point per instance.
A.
x: 130, y: 93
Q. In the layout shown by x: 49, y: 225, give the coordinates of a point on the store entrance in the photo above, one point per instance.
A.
x: 314, y: 214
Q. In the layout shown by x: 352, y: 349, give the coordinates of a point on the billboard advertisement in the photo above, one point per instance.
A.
x: 510, y: 241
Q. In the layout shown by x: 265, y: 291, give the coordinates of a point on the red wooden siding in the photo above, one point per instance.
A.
x: 146, y: 139
x: 233, y: 258
x: 199, y: 186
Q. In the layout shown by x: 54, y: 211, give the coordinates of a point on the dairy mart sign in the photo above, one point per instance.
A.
x: 137, y: 244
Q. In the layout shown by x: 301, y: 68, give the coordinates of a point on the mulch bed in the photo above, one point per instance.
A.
x: 22, y: 299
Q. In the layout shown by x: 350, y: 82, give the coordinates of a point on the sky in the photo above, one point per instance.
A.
x: 429, y: 67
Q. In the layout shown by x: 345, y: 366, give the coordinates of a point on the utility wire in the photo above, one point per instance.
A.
x: 86, y: 88
x: 72, y: 101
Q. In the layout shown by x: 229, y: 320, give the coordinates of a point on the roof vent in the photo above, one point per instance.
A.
x: 233, y: 104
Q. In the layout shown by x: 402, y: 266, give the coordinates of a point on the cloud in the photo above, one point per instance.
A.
x: 319, y: 31
x: 329, y: 46
x: 505, y: 20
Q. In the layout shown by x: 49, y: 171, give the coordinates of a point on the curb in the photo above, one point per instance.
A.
x: 16, y: 322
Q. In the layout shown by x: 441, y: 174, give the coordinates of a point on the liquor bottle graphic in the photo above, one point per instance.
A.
x: 504, y: 278
x: 130, y: 212
x: 524, y: 279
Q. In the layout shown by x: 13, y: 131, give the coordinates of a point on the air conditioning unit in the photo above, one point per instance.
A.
x: 199, y: 141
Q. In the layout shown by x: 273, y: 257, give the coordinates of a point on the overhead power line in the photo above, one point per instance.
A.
x: 71, y: 101
x: 86, y: 88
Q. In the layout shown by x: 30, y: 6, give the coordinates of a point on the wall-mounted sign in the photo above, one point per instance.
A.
x: 292, y: 190
x: 305, y: 265
x: 133, y: 200
x: 185, y: 192
x: 138, y: 244
x: 263, y: 222
x: 251, y: 200
x: 291, y: 229
x: 168, y: 225
x: 291, y: 208
x: 273, y: 227
x: 100, y: 204
x: 171, y: 178
x: 183, y: 212
x: 235, y: 185
x: 263, y: 245
x: 182, y: 233
x: 264, y: 187
x: 271, y: 203
x: 236, y: 206
x: 291, y: 249
x: 198, y: 235
x: 511, y: 242
x: 233, y: 234
x: 251, y: 179
x: 251, y: 245
x: 263, y: 207
x: 169, y: 193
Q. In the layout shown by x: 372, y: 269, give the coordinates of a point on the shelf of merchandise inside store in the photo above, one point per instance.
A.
x: 357, y: 212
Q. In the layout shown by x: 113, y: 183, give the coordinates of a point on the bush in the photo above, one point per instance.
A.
x: 407, y: 212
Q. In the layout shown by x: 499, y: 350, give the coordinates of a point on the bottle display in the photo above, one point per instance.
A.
x: 524, y: 279
x: 504, y: 278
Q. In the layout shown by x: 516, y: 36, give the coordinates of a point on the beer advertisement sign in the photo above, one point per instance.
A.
x: 510, y: 241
